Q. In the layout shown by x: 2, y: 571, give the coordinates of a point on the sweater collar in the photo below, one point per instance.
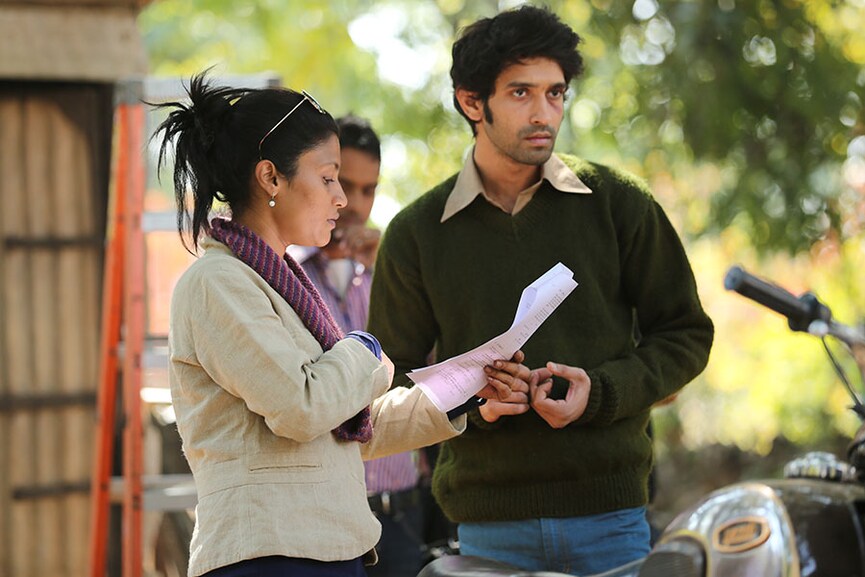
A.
x: 469, y: 186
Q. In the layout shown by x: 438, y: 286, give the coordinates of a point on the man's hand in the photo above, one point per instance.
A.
x: 357, y: 242
x: 507, y: 390
x: 559, y: 413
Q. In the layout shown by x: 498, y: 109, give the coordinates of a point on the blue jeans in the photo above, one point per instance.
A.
x: 575, y: 545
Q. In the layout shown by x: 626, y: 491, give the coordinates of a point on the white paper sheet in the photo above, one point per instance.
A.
x: 452, y: 382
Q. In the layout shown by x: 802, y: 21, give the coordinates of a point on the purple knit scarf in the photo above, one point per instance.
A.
x: 288, y: 279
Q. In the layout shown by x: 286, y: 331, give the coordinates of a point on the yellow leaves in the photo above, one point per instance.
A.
x: 842, y: 24
x: 593, y: 48
x: 854, y: 48
x: 764, y: 381
x: 450, y: 7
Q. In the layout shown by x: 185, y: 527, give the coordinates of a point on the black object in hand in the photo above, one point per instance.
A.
x: 465, y: 407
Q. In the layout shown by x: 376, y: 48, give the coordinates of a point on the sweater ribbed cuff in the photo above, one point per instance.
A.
x: 602, y: 403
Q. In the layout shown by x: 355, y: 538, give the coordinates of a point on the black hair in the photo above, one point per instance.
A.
x: 490, y: 45
x: 215, y: 138
x: 356, y: 132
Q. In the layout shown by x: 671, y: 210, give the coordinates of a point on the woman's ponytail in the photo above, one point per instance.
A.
x: 193, y: 130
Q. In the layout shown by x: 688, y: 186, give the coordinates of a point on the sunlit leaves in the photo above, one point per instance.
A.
x: 764, y: 88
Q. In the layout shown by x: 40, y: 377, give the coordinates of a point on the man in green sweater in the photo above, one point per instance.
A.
x: 557, y: 480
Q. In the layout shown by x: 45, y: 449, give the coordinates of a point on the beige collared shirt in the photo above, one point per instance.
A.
x: 469, y: 185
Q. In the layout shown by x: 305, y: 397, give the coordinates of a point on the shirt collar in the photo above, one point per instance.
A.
x: 301, y: 254
x: 469, y: 185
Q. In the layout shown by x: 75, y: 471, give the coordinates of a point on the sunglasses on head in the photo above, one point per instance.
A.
x: 306, y: 98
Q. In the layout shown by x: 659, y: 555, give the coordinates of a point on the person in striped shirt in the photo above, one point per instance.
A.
x: 342, y: 273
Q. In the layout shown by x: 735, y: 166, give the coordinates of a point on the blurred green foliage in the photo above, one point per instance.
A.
x: 746, y: 117
x: 769, y: 94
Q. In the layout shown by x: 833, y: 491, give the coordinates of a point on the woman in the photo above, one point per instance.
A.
x: 275, y: 407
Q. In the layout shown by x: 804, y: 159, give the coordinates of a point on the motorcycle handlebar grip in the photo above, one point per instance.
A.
x: 767, y: 294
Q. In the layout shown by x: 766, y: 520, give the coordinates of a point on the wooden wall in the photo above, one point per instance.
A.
x: 54, y: 158
x: 89, y: 40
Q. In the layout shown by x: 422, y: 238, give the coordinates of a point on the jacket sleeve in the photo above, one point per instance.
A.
x: 674, y: 333
x: 405, y: 419
x: 270, y: 362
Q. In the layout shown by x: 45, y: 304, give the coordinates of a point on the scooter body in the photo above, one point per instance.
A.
x: 801, y: 527
x: 774, y: 528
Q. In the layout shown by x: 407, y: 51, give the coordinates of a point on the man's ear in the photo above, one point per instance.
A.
x: 473, y: 107
x: 265, y: 175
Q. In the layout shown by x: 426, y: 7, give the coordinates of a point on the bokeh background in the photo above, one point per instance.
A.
x: 746, y: 117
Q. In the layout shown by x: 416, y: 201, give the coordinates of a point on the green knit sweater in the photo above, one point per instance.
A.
x: 634, y: 323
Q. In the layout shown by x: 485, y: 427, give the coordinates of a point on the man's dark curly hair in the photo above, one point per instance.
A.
x: 490, y: 45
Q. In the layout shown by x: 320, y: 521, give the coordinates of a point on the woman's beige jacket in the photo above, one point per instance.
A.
x: 256, y: 400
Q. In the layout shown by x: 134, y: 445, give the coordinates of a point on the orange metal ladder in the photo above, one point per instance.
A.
x: 122, y: 312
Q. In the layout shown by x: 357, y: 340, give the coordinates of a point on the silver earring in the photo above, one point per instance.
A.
x: 272, y: 202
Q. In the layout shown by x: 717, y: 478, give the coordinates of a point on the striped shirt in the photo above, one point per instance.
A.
x: 395, y: 472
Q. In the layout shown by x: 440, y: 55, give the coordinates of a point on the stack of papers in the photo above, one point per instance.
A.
x: 451, y: 383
